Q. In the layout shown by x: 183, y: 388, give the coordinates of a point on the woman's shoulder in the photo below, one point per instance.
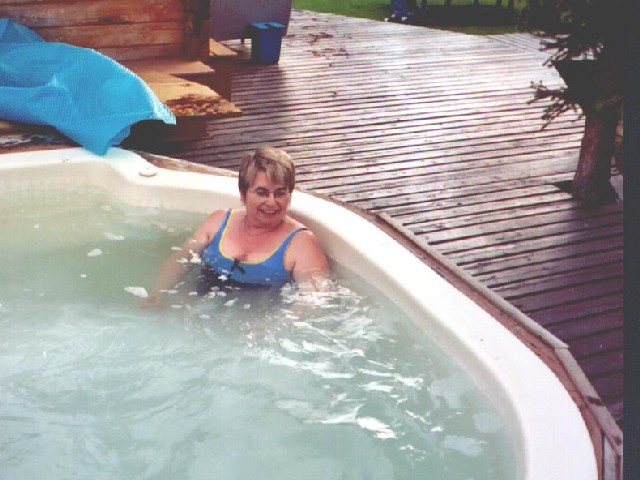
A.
x: 216, y: 217
x: 307, y: 256
x: 302, y: 236
x: 211, y: 225
x: 295, y: 224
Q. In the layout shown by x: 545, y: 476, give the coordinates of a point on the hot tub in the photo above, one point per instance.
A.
x: 550, y: 439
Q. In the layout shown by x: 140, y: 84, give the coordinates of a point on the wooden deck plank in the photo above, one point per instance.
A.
x: 602, y: 365
x: 543, y: 226
x: 513, y: 219
x: 436, y: 130
x: 592, y: 345
x: 550, y: 295
x: 513, y: 274
x: 613, y: 384
x: 598, y: 323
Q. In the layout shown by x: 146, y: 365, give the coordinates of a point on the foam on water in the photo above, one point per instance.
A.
x: 333, y: 385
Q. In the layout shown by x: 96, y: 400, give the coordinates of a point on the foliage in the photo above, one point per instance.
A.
x: 579, y: 30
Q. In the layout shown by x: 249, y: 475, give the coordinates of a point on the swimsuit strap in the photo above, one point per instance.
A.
x: 273, y: 266
x: 283, y: 246
x: 217, y: 238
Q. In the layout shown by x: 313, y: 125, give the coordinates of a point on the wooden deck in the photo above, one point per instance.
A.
x: 434, y: 129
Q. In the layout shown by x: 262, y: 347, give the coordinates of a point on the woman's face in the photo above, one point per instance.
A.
x: 266, y: 202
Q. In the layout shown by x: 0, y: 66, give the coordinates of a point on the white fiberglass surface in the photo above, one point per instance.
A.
x: 548, y: 436
x: 244, y: 385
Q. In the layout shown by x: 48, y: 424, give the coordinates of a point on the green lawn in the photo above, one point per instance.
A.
x: 374, y: 9
x: 380, y: 9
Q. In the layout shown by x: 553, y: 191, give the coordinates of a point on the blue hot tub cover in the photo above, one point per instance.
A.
x: 85, y: 95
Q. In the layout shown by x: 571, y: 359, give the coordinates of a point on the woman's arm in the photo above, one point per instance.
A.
x: 183, y: 260
x: 310, y: 265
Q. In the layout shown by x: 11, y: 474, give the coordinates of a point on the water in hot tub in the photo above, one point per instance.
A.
x: 338, y: 385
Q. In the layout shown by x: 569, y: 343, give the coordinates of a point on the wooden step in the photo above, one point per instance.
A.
x: 187, y: 69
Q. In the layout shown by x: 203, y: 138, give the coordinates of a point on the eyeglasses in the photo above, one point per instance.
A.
x: 278, y: 193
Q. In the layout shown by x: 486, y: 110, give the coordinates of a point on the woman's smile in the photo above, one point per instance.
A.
x: 269, y: 214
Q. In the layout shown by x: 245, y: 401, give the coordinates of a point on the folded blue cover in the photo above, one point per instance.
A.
x: 85, y: 95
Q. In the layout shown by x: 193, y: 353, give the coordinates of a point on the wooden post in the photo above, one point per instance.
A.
x: 592, y: 180
x: 222, y: 59
x: 590, y: 85
x: 196, y: 29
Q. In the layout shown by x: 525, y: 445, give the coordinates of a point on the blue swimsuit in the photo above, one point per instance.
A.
x: 220, y: 270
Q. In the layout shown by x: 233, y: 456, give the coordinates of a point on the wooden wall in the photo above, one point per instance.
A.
x: 121, y: 29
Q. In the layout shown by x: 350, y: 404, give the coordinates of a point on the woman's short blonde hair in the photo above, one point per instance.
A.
x: 276, y: 163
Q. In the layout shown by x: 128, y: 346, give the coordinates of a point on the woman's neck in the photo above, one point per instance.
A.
x: 250, y: 231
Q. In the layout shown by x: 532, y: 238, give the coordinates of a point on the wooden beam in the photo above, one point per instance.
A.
x: 196, y: 28
x: 97, y: 12
x: 142, y: 52
x: 123, y: 35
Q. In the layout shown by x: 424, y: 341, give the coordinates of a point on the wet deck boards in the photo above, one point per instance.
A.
x: 435, y: 129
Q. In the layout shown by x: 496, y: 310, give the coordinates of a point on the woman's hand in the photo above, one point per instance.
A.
x: 154, y: 300
x: 182, y: 261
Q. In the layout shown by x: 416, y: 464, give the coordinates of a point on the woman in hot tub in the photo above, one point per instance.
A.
x: 258, y: 246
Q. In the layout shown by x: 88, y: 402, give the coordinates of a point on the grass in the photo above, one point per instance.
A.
x: 380, y: 9
x: 373, y: 9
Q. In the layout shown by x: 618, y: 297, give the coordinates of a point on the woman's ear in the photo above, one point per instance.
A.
x: 242, y: 198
